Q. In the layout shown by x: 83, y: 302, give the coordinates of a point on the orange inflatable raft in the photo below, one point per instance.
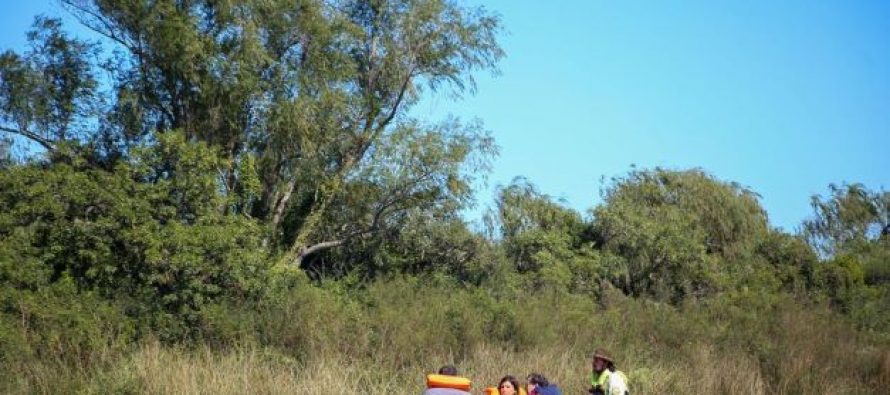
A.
x: 443, y: 381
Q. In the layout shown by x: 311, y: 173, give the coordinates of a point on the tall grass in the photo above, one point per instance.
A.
x: 384, y: 337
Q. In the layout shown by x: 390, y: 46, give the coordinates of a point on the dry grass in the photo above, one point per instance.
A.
x: 322, y: 345
x: 155, y: 369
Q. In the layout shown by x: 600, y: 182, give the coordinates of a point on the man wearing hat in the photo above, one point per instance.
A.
x: 606, y: 380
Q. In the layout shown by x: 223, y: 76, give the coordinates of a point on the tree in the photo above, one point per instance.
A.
x: 48, y: 94
x: 674, y: 229
x: 395, y: 211
x: 297, y: 96
x: 544, y: 240
x: 851, y: 217
x: 852, y: 224
x: 528, y: 222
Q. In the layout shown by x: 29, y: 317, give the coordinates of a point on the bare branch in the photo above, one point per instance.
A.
x: 108, y: 31
x: 282, y: 203
x: 317, y: 247
x: 46, y: 143
x: 330, y: 244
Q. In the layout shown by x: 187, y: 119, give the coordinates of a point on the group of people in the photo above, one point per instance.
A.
x: 604, y: 380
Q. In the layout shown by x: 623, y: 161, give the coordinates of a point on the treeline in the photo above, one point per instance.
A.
x: 228, y: 175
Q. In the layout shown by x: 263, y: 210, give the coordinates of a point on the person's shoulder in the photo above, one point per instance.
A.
x: 549, y: 390
x: 618, y: 376
x: 618, y: 382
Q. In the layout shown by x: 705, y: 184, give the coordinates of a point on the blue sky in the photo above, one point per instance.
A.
x: 783, y: 97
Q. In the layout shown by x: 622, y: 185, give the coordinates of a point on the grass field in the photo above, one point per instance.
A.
x: 385, y: 338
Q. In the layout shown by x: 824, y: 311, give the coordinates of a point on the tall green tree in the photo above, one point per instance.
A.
x: 848, y: 219
x: 675, y: 232
x: 296, y: 96
x: 851, y: 228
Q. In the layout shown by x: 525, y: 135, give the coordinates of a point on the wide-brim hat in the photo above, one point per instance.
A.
x: 601, y: 353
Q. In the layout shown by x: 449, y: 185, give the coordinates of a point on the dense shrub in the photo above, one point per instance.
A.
x: 158, y: 245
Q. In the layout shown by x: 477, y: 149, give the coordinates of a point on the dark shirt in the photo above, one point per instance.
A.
x: 548, y: 390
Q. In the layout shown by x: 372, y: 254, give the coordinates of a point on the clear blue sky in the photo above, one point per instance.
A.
x: 783, y: 97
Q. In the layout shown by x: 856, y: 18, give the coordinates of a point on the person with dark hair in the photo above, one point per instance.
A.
x: 509, y: 386
x: 606, y: 380
x: 448, y: 370
x: 539, y: 385
x: 447, y: 382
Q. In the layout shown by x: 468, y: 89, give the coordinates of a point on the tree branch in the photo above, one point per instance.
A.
x: 395, y: 196
x: 399, y: 98
x: 317, y: 247
x: 330, y: 244
x: 108, y: 32
x: 46, y: 143
x: 372, y: 228
x: 366, y: 140
x: 278, y: 212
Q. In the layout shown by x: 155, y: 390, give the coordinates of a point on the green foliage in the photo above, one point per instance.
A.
x: 849, y: 229
x: 405, y: 326
x: 48, y: 94
x: 57, y: 322
x: 401, y: 210
x: 788, y: 261
x: 675, y: 231
x: 426, y: 244
x: 841, y: 273
x: 848, y: 220
x: 313, y: 95
x: 875, y: 258
x: 305, y: 102
x: 522, y: 208
x: 664, y: 257
x: 50, y: 327
x: 728, y: 214
x: 236, y: 138
x: 225, y: 129
x: 543, y: 239
x: 151, y: 235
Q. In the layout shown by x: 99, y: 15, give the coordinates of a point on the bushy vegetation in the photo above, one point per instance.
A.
x: 383, y: 336
x: 246, y: 205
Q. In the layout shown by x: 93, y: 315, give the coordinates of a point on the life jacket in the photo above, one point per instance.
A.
x: 445, y: 381
x: 601, y: 381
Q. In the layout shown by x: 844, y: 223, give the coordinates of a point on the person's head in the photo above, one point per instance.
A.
x: 508, y: 385
x: 448, y: 370
x: 536, y: 380
x: 602, y: 360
